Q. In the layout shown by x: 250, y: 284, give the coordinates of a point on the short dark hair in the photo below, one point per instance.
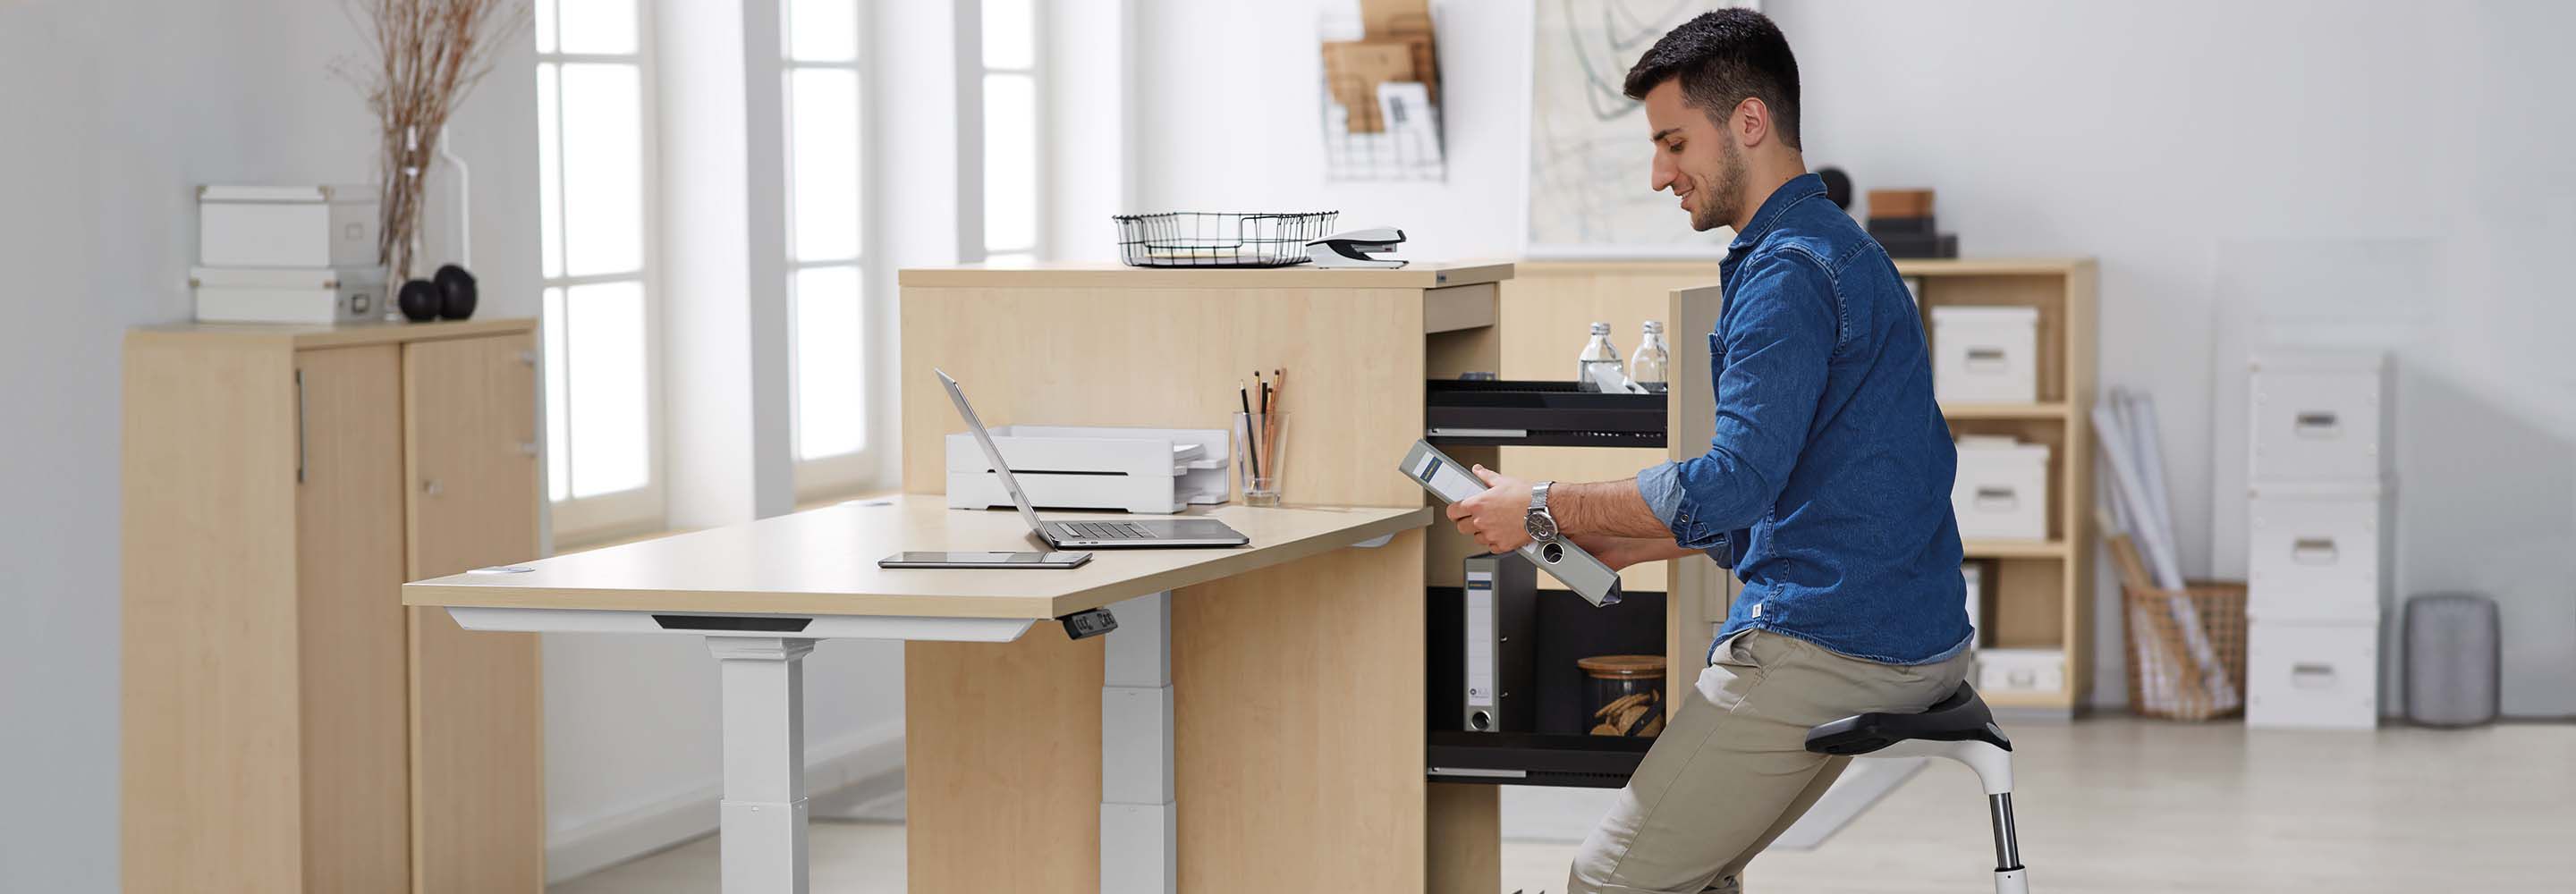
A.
x: 1722, y: 58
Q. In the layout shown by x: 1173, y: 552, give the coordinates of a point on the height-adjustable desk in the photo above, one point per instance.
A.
x: 762, y: 593
x: 1250, y: 728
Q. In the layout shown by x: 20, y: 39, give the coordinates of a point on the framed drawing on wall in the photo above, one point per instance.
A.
x: 1589, y: 155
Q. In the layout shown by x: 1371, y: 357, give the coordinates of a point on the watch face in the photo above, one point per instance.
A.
x: 1541, y: 527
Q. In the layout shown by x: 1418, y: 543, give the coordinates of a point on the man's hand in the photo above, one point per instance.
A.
x: 1621, y: 552
x: 1498, y: 519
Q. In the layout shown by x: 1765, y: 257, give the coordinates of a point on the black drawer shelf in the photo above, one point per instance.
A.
x: 1539, y: 414
x: 1549, y: 746
x: 1532, y: 759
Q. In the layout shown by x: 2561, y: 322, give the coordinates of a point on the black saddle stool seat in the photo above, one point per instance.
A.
x: 1958, y: 727
x: 1960, y: 717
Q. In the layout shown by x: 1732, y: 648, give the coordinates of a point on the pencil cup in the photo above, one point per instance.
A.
x: 1259, y: 457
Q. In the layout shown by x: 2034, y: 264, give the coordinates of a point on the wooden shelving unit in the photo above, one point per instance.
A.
x: 2042, y: 589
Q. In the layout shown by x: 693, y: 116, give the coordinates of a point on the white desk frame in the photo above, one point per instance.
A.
x: 763, y: 819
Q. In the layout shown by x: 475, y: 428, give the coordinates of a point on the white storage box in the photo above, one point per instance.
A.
x: 2021, y: 670
x: 1143, y: 470
x: 2312, y: 676
x: 321, y: 297
x: 2001, y: 492
x: 2318, y: 552
x: 286, y: 226
x: 1973, y: 573
x: 2319, y: 416
x: 1985, y: 354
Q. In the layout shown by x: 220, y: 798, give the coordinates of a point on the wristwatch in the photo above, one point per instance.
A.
x: 1541, y: 525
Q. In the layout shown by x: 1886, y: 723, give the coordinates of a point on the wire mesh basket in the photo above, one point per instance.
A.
x: 1220, y: 238
x: 2166, y: 674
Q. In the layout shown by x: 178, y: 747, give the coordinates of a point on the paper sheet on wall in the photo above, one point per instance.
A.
x: 1589, y: 158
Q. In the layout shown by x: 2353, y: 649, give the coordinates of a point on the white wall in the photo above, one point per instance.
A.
x: 2381, y: 174
x: 2375, y: 173
x: 116, y: 110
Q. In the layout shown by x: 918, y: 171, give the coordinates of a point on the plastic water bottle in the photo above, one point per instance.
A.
x: 1598, y: 353
x: 1652, y: 359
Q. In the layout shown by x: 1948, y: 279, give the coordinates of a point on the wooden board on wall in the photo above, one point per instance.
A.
x: 478, y: 796
x: 1548, y: 309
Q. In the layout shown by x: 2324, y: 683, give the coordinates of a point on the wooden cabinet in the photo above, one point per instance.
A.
x: 288, y: 725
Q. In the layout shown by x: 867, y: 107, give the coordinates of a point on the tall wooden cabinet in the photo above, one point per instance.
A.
x: 288, y: 725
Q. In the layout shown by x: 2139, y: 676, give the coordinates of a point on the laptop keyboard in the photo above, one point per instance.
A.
x: 1106, y: 530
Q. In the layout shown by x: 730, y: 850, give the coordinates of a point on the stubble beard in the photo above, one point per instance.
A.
x: 1725, y: 197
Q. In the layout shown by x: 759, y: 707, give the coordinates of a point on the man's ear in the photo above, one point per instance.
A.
x: 1751, y: 123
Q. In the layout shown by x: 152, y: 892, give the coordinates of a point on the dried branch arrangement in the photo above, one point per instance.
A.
x: 425, y: 56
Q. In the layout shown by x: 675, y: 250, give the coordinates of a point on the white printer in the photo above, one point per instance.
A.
x: 1155, y: 471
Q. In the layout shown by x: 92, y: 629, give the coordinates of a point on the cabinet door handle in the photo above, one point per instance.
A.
x: 299, y: 426
x: 528, y: 358
x: 431, y: 487
x: 528, y: 448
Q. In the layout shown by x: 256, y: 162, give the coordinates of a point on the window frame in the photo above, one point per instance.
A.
x: 859, y: 470
x: 580, y: 520
x: 971, y: 45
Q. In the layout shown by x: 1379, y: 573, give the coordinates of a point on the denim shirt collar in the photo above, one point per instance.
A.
x: 1798, y: 188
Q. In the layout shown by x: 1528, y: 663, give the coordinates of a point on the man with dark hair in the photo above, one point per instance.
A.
x: 1826, y: 487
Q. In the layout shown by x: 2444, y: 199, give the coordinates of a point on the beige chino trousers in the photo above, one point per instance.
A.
x: 1732, y: 771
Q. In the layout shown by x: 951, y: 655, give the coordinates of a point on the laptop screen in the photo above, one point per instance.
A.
x: 992, y: 454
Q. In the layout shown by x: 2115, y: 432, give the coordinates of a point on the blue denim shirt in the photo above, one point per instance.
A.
x: 1827, y: 486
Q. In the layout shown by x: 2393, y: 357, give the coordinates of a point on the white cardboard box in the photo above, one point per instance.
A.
x: 2312, y: 676
x: 286, y: 226
x: 2021, y: 670
x: 1985, y: 354
x: 2319, y: 416
x: 2319, y: 552
x: 321, y: 297
x: 2001, y: 492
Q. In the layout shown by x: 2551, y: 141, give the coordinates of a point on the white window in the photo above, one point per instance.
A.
x: 1011, y: 128
x: 595, y: 161
x: 826, y: 259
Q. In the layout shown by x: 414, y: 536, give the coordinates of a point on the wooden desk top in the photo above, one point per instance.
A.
x: 1077, y: 275
x: 824, y: 562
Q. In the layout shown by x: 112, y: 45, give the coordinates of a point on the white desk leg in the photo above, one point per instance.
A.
x: 1138, y: 843
x: 763, y: 818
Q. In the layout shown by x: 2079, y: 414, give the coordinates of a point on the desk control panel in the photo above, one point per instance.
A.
x: 1088, y: 624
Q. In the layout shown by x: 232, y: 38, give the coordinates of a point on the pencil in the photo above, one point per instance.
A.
x: 1251, y: 445
x: 1278, y: 401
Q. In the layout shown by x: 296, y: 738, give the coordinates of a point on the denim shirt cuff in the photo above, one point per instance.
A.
x: 1661, y: 486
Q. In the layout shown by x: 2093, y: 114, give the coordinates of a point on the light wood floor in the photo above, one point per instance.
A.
x: 2112, y: 805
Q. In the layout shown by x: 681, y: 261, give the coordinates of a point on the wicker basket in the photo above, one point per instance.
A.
x: 2166, y: 678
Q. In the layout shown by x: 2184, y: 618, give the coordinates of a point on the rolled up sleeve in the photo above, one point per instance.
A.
x: 1776, y: 348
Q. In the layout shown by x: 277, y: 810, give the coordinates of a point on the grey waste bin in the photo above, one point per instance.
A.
x: 2452, y: 663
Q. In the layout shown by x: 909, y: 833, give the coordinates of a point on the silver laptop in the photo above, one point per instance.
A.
x: 1102, y: 534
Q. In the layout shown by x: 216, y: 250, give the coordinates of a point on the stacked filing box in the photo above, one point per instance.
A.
x: 2319, y: 564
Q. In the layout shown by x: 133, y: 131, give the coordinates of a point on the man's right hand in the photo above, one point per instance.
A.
x: 1621, y: 552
